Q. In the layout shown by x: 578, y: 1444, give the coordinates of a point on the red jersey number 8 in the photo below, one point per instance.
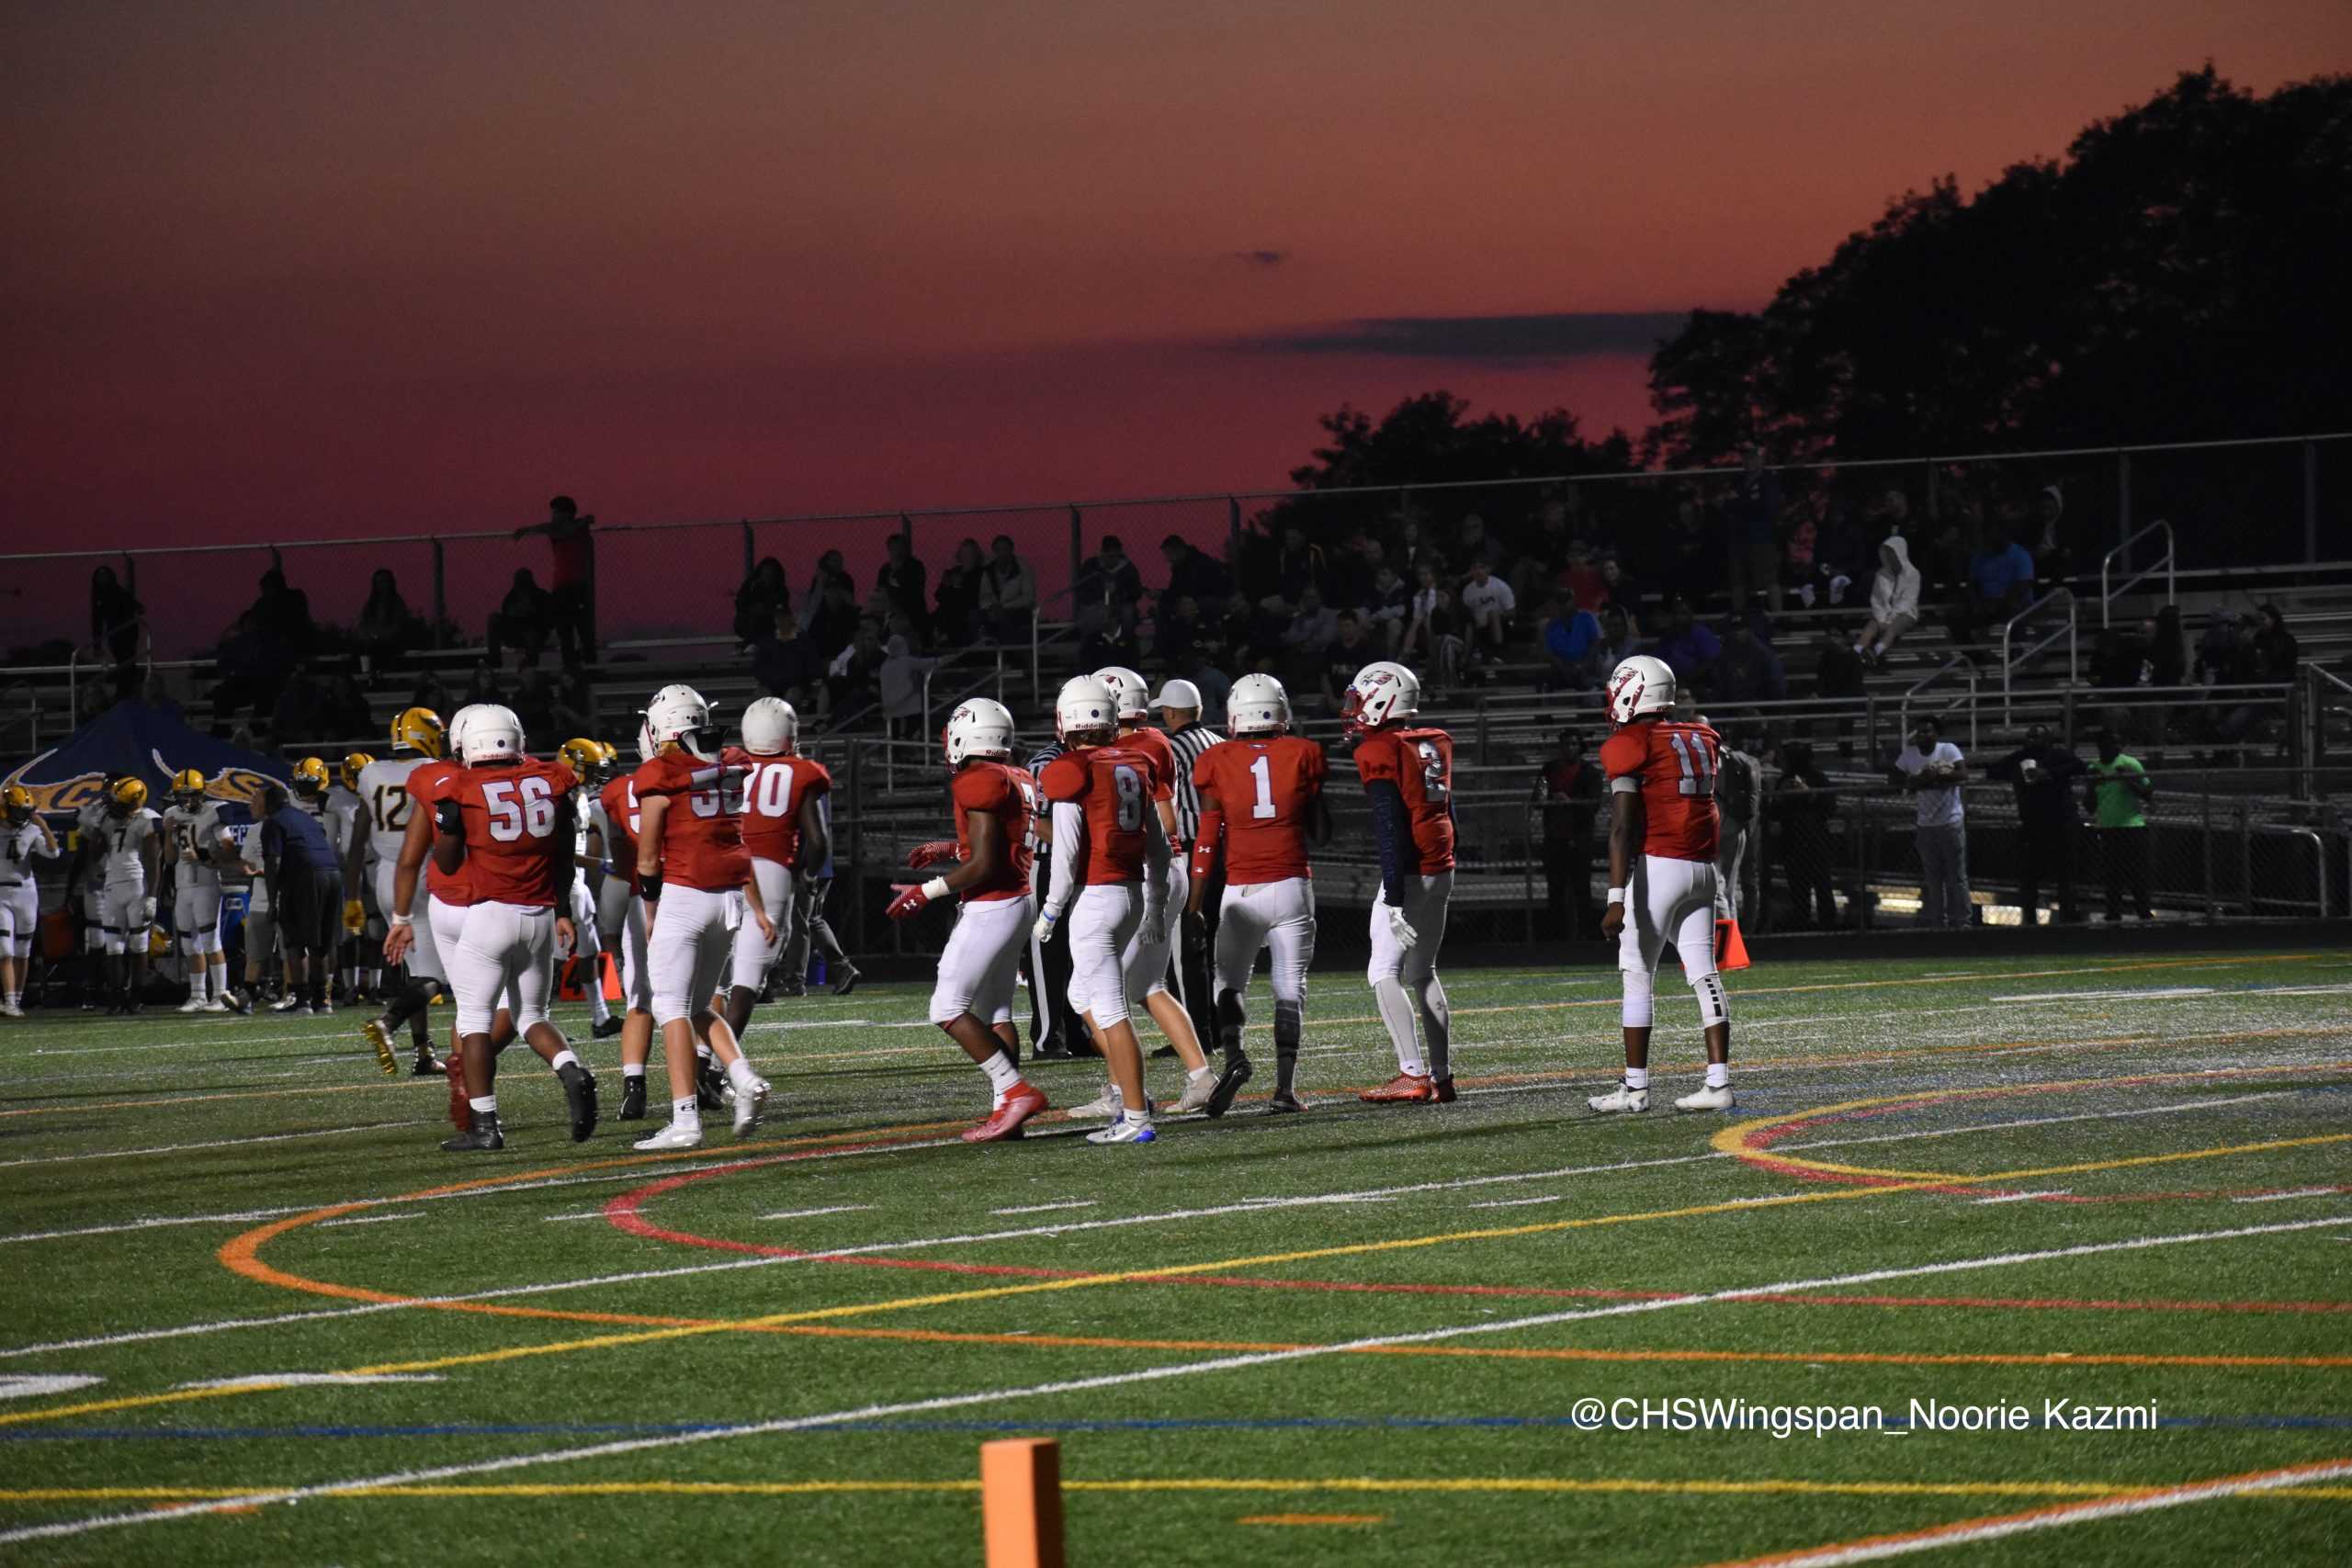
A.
x: 510, y: 819
x: 1129, y: 784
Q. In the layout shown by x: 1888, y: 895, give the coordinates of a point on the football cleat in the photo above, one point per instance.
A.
x: 672, y: 1137
x: 580, y: 1098
x: 286, y: 1003
x: 216, y: 1005
x: 1228, y: 1083
x: 748, y: 1108
x: 484, y: 1135
x: 1620, y: 1098
x: 1024, y: 1101
x: 427, y: 1065
x: 461, y: 1114
x: 711, y: 1092
x: 791, y: 988
x: 607, y: 1030
x: 1200, y: 1088
x: 1404, y: 1089
x: 194, y: 1004
x: 237, y: 1002
x: 1445, y: 1088
x: 1107, y: 1104
x: 1282, y: 1103
x: 1706, y: 1099
x: 1126, y: 1129
x: 846, y: 981
x: 633, y: 1098
x: 380, y: 1038
x: 10, y: 1009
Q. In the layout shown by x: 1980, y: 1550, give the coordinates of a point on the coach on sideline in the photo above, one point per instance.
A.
x: 306, y: 890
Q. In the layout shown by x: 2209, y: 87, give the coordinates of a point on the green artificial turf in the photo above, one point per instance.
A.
x: 1376, y: 1324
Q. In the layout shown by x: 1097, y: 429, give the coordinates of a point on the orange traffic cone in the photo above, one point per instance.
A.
x: 1730, y: 951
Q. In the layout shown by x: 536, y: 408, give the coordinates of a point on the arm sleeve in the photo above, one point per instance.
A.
x: 1392, y: 830
x: 1070, y: 833
x: 1205, y: 842
x: 1154, y: 858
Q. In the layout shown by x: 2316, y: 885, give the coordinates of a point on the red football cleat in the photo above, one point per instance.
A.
x: 461, y: 1114
x: 1404, y: 1089
x: 1005, y: 1120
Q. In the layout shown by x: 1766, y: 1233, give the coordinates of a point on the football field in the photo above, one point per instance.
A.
x: 2059, y: 1253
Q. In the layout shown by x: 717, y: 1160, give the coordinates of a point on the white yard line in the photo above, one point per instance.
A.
x: 373, y: 1219
x: 2282, y: 1197
x: 812, y: 1213
x: 2025, y: 1196
x: 215, y: 1144
x: 265, y: 1497
x: 1046, y: 1208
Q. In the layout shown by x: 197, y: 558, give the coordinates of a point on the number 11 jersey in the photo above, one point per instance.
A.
x: 1419, y: 762
x: 1673, y: 765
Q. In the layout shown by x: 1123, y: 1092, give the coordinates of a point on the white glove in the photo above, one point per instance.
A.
x: 1044, y: 930
x: 1155, y: 922
x: 147, y: 910
x: 1400, y: 928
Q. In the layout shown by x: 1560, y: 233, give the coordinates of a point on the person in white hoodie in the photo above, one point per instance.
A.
x: 1894, y: 600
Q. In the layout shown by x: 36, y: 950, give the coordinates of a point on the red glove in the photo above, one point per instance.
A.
x: 922, y: 855
x: 910, y: 901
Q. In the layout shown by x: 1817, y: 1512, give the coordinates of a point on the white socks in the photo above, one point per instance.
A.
x: 483, y: 1104
x: 1637, y: 1078
x: 739, y: 1073
x: 632, y: 1069
x: 1718, y: 1075
x: 687, y: 1112
x: 567, y: 1058
x: 1003, y: 1077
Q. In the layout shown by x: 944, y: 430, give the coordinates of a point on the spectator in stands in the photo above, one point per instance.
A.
x: 1895, y: 599
x: 1477, y: 543
x: 1619, y: 641
x: 1842, y: 556
x: 1892, y: 511
x: 2167, y: 650
x: 1108, y: 590
x: 1569, y: 636
x: 387, y: 628
x: 1799, y: 807
x: 2277, y: 653
x: 1391, y: 610
x: 1349, y: 652
x: 533, y: 702
x: 833, y: 622
x: 762, y: 593
x: 1350, y: 586
x: 430, y: 692
x: 1298, y: 566
x: 1618, y: 589
x: 1751, y: 515
x: 1487, y: 605
x: 1692, y: 561
x: 572, y: 606
x: 301, y: 710
x: 1568, y: 792
x: 1748, y: 671
x: 2042, y: 773
x: 574, y: 710
x: 1582, y: 579
x: 1933, y: 770
x: 899, y: 585
x: 523, y: 620
x: 1176, y: 632
x: 2117, y: 792
x: 347, y: 716
x: 1312, y: 626
x: 115, y: 615
x: 2050, y: 547
x: 1112, y: 642
x: 481, y: 686
x: 786, y: 663
x: 901, y: 680
x: 1687, y: 648
x: 1410, y: 548
x: 2224, y: 654
x: 831, y: 572
x: 1008, y: 592
x: 956, y: 602
x: 852, y: 681
x: 2000, y: 584
x: 1193, y: 574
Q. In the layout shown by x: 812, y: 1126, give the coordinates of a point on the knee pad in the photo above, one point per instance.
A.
x: 1640, y: 1002
x: 1714, y: 1007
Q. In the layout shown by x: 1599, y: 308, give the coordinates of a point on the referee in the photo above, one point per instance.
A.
x: 1055, y: 1027
x: 1179, y: 703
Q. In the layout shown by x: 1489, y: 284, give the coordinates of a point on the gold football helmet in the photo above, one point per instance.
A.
x: 17, y: 803
x: 127, y: 796
x: 310, y: 777
x: 583, y: 757
x: 420, y: 730
x: 352, y: 764
x: 187, y: 786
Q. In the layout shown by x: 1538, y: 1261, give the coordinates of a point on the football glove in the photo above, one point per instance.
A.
x: 1155, y: 922
x: 911, y: 901
x: 147, y: 910
x: 1401, y: 929
x: 1044, y: 930
x: 922, y: 855
x: 355, y: 916
x: 449, y: 817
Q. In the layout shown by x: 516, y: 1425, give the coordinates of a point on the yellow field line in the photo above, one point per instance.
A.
x: 1343, y: 1483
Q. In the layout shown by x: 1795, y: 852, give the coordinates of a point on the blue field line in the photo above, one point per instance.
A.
x: 1165, y: 1424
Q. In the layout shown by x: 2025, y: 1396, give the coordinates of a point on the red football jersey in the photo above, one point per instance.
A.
x: 773, y: 791
x: 1010, y: 794
x: 1153, y: 743
x: 619, y: 800
x: 1675, y: 765
x: 1265, y: 788
x: 702, y: 832
x: 1114, y: 786
x: 1419, y: 762
x: 512, y: 845
x: 432, y: 779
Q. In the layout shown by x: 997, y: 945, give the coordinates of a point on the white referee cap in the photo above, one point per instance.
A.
x: 1177, y: 695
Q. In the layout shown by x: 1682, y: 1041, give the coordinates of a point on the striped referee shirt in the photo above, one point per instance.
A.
x: 1189, y: 743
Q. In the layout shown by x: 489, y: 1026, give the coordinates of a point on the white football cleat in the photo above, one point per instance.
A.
x: 1200, y: 1088
x: 1126, y: 1129
x: 673, y: 1137
x: 1620, y: 1098
x: 194, y: 1004
x: 216, y: 1005
x: 287, y: 1003
x: 10, y: 1009
x: 1706, y: 1099
x: 748, y: 1108
x: 1104, y: 1105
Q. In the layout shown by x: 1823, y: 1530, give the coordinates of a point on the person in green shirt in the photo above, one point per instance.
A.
x: 2117, y: 791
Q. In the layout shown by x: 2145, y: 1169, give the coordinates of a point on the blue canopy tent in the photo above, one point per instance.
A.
x: 153, y: 742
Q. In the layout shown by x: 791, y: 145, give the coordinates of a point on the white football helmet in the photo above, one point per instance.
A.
x: 980, y: 727
x: 678, y: 713
x: 770, y: 728
x: 1128, y: 688
x: 1640, y: 684
x: 1383, y: 690
x: 459, y: 722
x: 1256, y: 705
x: 1086, y: 706
x: 494, y: 734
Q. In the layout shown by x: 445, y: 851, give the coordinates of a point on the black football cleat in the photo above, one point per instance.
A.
x: 846, y: 981
x: 1050, y: 1049
x: 710, y: 1084
x: 427, y: 1065
x: 238, y: 1001
x: 1229, y: 1084
x: 580, y: 1098
x: 633, y: 1098
x: 607, y: 1030
x: 1284, y: 1103
x: 1445, y: 1088
x: 485, y: 1136
x: 791, y: 988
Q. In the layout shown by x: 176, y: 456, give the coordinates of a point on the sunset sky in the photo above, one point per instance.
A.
x: 284, y: 269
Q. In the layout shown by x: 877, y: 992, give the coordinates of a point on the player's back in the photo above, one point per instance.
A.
x: 617, y: 803
x: 702, y: 831
x: 510, y: 814
x: 1266, y: 787
x: 1112, y: 785
x: 1011, y: 795
x: 1419, y: 762
x: 125, y: 839
x: 773, y: 788
x: 1675, y: 762
x: 1153, y: 744
x: 384, y: 806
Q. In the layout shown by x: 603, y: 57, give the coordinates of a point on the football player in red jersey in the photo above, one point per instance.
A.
x: 1109, y: 875
x: 1663, y: 832
x: 506, y: 820
x: 1261, y: 805
x: 1151, y: 959
x: 783, y: 828
x: 696, y: 884
x: 1407, y: 773
x: 995, y: 804
x: 618, y: 824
